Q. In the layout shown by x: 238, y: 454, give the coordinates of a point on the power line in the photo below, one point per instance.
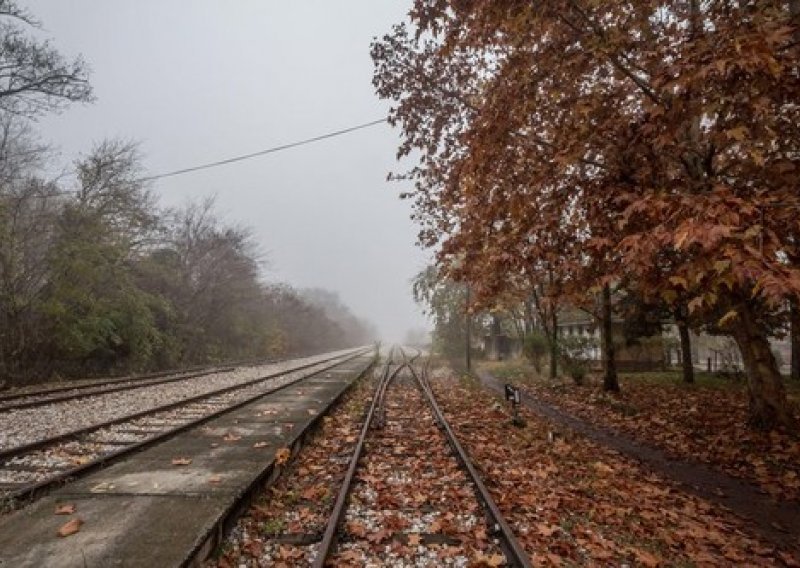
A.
x: 263, y: 152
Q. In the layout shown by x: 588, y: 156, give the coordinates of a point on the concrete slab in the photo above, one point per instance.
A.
x: 145, y: 511
x: 117, y: 531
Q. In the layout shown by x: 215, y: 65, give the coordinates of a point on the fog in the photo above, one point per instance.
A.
x: 196, y: 81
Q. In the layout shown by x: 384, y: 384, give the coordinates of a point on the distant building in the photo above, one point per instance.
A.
x: 709, y: 352
x: 720, y: 352
x: 644, y: 354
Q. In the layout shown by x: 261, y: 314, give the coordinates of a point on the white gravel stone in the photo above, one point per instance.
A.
x: 28, y: 425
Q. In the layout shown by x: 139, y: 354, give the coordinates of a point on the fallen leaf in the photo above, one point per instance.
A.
x: 357, y: 529
x: 646, y: 559
x: 215, y: 479
x: 181, y: 461
x: 260, y: 445
x: 379, y: 536
x: 351, y: 556
x: 232, y: 438
x: 491, y: 561
x: 414, y: 539
x: 65, y: 509
x: 282, y: 456
x: 254, y: 548
x: 70, y: 527
x: 603, y: 467
x: 496, y: 560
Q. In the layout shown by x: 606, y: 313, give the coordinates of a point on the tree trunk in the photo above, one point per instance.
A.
x: 768, y: 406
x: 686, y: 352
x: 610, y: 382
x: 529, y: 323
x: 794, y: 314
x: 468, y: 338
x: 554, y: 343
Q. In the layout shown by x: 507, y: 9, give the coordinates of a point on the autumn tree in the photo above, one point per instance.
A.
x: 603, y: 137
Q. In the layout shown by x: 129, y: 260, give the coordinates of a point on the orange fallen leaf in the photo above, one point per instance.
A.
x: 646, y: 559
x: 379, y: 536
x: 414, y: 539
x: 254, y: 548
x: 65, y: 509
x: 70, y: 527
x: 282, y: 456
x: 357, y: 529
x: 350, y: 556
x: 181, y: 461
x: 491, y: 561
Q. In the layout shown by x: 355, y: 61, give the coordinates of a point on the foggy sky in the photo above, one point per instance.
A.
x: 201, y: 80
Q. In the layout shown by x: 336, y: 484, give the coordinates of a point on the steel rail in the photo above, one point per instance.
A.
x: 216, y: 532
x: 340, y: 505
x: 101, y: 389
x: 14, y: 451
x: 99, y: 383
x: 513, y: 550
x: 31, y: 491
x: 380, y: 411
x: 81, y: 384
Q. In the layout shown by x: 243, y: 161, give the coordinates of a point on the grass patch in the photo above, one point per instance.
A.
x: 702, y: 379
x: 517, y: 371
x: 521, y: 372
x: 273, y: 527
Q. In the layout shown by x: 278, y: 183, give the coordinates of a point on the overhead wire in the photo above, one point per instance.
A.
x: 271, y: 150
x: 227, y: 161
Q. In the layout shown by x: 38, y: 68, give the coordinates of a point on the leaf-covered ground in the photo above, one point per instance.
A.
x: 570, y: 501
x: 285, y: 521
x: 576, y: 503
x: 410, y: 504
x: 704, y: 422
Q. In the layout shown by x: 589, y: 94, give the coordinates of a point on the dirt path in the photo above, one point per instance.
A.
x: 778, y: 522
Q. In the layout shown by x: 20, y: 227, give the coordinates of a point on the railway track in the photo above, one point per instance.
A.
x: 26, y: 397
x: 29, y: 469
x: 64, y: 393
x: 410, y: 484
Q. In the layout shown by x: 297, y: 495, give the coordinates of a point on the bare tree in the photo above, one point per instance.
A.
x: 34, y: 76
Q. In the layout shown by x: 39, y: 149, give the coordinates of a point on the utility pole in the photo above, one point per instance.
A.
x: 469, y: 330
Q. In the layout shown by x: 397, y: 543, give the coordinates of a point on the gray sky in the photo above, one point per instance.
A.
x: 200, y: 80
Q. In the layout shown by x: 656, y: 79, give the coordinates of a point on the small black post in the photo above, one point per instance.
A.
x: 512, y: 395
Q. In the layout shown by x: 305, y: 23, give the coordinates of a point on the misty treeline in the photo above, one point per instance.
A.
x: 96, y: 278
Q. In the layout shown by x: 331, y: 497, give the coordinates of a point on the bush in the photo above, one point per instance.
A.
x: 574, y: 352
x: 535, y: 348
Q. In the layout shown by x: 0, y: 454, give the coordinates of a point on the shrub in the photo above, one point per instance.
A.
x: 575, y: 353
x: 535, y: 348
